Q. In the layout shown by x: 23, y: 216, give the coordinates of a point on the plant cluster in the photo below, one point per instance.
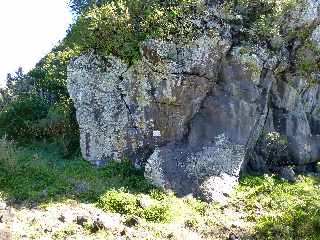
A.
x: 36, y: 106
x: 119, y: 27
x: 123, y: 202
x: 290, y: 210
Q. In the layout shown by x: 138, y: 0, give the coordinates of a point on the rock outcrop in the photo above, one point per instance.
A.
x: 195, y: 113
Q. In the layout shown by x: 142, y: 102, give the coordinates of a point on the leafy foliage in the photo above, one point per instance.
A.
x: 36, y: 106
x: 275, y: 148
x: 278, y: 209
x: 119, y: 201
x: 77, y: 6
x: 118, y: 27
x: 15, y: 118
x: 157, y: 213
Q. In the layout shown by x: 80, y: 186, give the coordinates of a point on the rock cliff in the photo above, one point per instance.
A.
x: 195, y: 112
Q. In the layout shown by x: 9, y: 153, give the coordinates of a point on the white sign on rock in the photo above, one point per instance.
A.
x: 156, y: 133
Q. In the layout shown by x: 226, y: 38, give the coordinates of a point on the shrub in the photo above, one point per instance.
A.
x: 263, y: 16
x: 31, y: 118
x: 157, y: 213
x: 123, y: 202
x: 118, y: 27
x: 7, y: 153
x: 50, y: 74
x: 191, y: 223
x: 196, y: 205
x: 158, y: 194
x: 119, y: 201
x: 16, y: 118
x: 298, y: 222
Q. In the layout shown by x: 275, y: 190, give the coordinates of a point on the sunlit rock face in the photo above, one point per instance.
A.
x: 197, y: 112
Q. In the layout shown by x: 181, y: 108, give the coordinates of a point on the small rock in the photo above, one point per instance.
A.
x: 258, y: 206
x: 226, y: 194
x: 233, y: 237
x: 104, y: 222
x: 170, y: 235
x: 145, y: 202
x: 236, y: 224
x: 81, y: 220
x: 97, y: 225
x: 287, y: 173
x: 46, y: 230
x: 132, y: 221
x: 123, y: 232
x: 62, y: 218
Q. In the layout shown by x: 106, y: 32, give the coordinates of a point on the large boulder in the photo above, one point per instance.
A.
x: 195, y: 113
x: 187, y: 113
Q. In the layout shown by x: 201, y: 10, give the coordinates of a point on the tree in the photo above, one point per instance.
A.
x: 77, y: 6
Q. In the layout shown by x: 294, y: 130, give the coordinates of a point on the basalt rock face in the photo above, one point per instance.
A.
x: 196, y: 113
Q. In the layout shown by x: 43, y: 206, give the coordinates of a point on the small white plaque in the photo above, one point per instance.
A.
x: 156, y: 133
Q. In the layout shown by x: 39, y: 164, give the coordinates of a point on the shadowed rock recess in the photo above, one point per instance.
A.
x: 196, y: 112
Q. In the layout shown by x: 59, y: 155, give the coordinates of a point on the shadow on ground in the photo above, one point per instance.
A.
x: 31, y: 176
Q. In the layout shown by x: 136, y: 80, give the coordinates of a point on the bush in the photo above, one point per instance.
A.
x: 196, y: 205
x: 263, y: 16
x: 132, y: 178
x: 119, y: 201
x: 24, y: 175
x: 31, y: 118
x: 298, y: 222
x: 17, y: 117
x: 118, y: 27
x: 123, y: 202
x: 274, y: 148
x: 157, y: 213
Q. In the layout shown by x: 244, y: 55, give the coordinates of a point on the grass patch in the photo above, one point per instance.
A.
x: 40, y: 174
x: 118, y: 201
x: 282, y: 210
x: 276, y: 208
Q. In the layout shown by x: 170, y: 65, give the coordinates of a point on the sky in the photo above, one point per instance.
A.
x: 28, y: 30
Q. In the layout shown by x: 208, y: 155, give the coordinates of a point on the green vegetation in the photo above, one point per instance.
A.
x: 123, y: 202
x: 278, y: 209
x: 307, y: 60
x: 40, y: 173
x: 36, y: 106
x: 285, y: 210
x: 119, y: 27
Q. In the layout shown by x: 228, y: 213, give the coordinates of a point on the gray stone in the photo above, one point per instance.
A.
x: 145, y: 201
x: 287, y: 174
x: 81, y: 220
x: 132, y: 221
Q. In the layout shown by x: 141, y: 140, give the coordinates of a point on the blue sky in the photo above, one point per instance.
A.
x: 28, y: 30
